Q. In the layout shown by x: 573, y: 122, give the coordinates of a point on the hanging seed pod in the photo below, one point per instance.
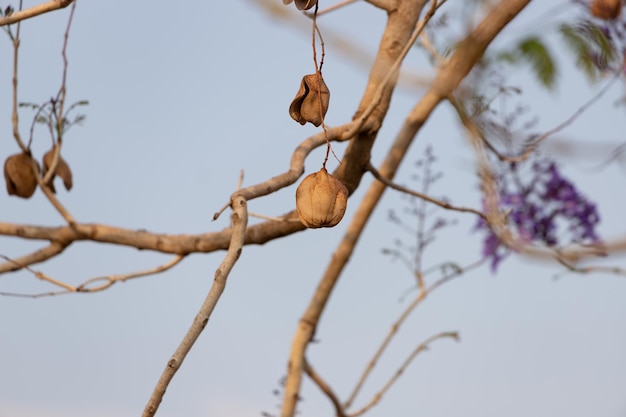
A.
x: 306, y: 106
x: 606, y: 9
x: 321, y: 200
x: 302, y: 4
x: 19, y: 176
x: 62, y: 170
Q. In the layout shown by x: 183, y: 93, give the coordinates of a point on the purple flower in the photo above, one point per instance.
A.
x: 537, y: 207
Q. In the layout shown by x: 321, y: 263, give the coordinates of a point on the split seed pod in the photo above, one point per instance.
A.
x: 62, y: 170
x: 321, y: 200
x: 606, y: 9
x: 19, y: 176
x: 306, y: 106
x: 302, y: 4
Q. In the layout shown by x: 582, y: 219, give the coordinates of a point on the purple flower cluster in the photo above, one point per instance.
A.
x: 546, y: 209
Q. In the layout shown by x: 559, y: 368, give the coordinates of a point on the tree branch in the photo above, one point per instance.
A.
x: 34, y: 11
x: 425, y: 197
x: 395, y: 327
x: 240, y: 222
x: 419, y: 349
x: 450, y: 75
x: 326, y: 389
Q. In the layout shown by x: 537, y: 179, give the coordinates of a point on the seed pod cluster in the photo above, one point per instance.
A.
x: 19, y: 176
x: 311, y: 101
x: 302, y: 4
x: 606, y: 9
x: 62, y: 170
x: 321, y: 200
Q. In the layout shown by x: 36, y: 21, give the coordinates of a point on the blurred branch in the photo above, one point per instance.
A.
x: 591, y: 269
x: 239, y: 219
x: 497, y: 220
x: 534, y: 144
x: 46, y: 7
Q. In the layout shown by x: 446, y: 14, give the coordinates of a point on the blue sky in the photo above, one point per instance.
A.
x: 181, y: 100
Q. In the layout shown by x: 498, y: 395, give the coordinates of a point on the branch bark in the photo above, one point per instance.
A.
x: 34, y: 11
x: 240, y: 222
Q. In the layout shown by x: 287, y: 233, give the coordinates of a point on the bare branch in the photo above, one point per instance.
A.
x: 14, y: 115
x: 34, y: 11
x: 112, y: 279
x: 59, y: 110
x: 326, y: 389
x: 37, y: 256
x: 532, y: 146
x: 419, y: 349
x: 614, y: 270
x: 395, y: 327
x: 240, y: 221
x: 84, y: 287
x: 40, y: 275
x: 425, y: 197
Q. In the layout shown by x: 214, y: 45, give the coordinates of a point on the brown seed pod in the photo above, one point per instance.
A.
x: 302, y: 4
x: 19, y: 176
x: 606, y: 9
x: 63, y: 170
x: 321, y: 200
x: 306, y: 106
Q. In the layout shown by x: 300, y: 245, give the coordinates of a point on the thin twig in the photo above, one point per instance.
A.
x: 395, y: 327
x: 419, y: 349
x: 54, y: 201
x: 326, y: 389
x: 40, y: 275
x: 614, y: 270
x: 239, y: 220
x: 112, y: 279
x: 273, y: 218
x: 14, y: 114
x: 84, y: 287
x: 534, y: 144
x: 441, y: 203
x: 60, y: 99
x: 329, y: 8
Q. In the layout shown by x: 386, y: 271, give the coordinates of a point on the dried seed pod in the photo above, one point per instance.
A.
x: 321, y: 200
x: 306, y: 106
x: 606, y: 9
x: 19, y: 176
x: 63, y: 170
x: 302, y: 4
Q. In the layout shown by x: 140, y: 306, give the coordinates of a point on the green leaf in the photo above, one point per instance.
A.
x: 540, y: 59
x: 533, y: 51
x: 594, y: 51
x: 577, y: 44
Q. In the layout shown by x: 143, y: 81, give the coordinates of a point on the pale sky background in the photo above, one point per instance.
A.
x: 183, y: 98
